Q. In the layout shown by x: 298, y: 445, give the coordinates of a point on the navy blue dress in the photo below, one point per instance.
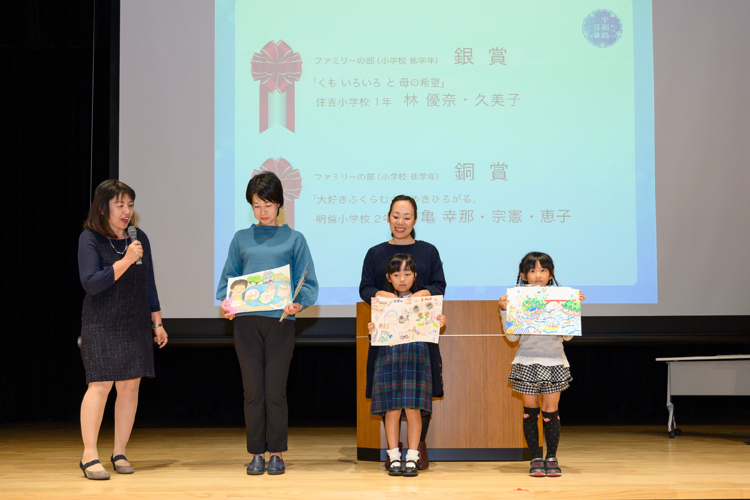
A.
x: 116, y: 336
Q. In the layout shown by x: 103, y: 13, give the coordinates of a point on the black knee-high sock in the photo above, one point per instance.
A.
x: 425, y: 426
x: 531, y: 431
x: 551, y: 431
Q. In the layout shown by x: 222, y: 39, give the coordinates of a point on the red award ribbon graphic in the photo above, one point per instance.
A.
x: 277, y: 67
x: 291, y: 181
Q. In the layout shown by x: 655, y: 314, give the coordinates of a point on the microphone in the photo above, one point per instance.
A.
x: 133, y: 234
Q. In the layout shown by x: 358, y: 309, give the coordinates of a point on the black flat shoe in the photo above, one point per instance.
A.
x: 395, y: 468
x: 276, y: 465
x: 257, y: 465
x: 97, y: 475
x: 121, y: 469
x: 411, y: 469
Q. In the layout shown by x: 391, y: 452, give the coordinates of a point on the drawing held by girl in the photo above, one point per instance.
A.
x: 403, y: 379
x: 540, y: 368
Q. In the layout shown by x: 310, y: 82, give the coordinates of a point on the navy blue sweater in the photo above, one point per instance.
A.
x: 430, y: 274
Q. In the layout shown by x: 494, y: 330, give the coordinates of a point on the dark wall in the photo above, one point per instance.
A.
x: 613, y: 384
x: 52, y: 156
x: 46, y: 51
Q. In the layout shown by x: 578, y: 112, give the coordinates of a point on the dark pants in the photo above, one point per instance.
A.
x: 264, y: 347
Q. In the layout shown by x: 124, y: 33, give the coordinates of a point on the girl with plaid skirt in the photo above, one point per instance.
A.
x: 539, y: 368
x: 403, y: 378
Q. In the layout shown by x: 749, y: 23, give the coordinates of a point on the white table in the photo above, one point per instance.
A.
x: 705, y: 376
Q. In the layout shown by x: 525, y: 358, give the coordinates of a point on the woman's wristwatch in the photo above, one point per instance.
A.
x: 156, y: 326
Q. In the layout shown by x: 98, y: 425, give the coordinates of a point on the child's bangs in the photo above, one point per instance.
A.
x: 397, y: 261
x: 529, y: 262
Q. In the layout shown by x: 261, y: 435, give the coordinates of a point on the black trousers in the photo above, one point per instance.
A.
x: 265, y: 347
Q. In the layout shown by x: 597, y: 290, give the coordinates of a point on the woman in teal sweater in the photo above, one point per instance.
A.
x: 264, y: 344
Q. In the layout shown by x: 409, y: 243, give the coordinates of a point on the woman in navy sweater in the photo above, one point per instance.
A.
x: 402, y: 217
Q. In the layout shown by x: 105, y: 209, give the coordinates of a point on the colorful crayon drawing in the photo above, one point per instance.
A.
x: 411, y: 319
x: 262, y: 291
x: 543, y: 311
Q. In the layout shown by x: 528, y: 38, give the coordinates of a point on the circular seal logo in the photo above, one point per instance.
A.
x: 602, y: 28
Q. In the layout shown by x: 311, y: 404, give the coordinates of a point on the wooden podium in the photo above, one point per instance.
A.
x: 480, y: 418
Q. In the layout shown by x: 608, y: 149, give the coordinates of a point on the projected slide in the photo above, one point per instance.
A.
x: 517, y: 126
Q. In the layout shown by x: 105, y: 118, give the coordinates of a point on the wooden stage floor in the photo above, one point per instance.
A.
x: 41, y: 461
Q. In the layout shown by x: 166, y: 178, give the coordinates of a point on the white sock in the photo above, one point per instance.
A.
x: 412, y: 455
x: 394, y: 454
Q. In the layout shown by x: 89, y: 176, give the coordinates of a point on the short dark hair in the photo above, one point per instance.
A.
x: 403, y: 197
x: 529, y: 262
x: 267, y: 186
x: 98, y: 218
x: 394, y: 266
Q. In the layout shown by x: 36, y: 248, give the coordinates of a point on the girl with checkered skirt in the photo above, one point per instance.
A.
x: 540, y: 368
x: 403, y: 378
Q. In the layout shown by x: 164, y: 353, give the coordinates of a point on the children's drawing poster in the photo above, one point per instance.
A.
x: 263, y: 291
x: 534, y: 310
x: 404, y: 320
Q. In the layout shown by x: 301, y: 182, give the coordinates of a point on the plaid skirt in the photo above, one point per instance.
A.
x: 539, y: 379
x: 403, y: 379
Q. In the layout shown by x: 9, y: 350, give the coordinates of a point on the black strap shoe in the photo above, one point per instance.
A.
x: 121, y: 469
x: 395, y: 468
x: 97, y: 475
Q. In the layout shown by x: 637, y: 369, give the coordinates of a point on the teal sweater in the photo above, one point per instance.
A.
x: 258, y: 248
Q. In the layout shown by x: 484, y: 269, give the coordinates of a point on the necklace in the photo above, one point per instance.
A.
x: 116, y: 251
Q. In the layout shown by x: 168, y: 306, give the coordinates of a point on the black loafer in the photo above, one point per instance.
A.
x: 257, y: 464
x: 276, y: 465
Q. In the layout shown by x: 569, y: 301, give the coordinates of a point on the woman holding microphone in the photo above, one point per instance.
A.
x: 402, y: 217
x: 121, y: 315
x: 264, y: 344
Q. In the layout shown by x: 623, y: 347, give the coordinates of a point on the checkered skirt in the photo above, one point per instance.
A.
x: 403, y: 379
x: 539, y: 379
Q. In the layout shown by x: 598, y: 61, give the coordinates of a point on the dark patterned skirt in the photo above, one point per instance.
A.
x: 539, y: 379
x: 403, y: 379
x: 119, y: 354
